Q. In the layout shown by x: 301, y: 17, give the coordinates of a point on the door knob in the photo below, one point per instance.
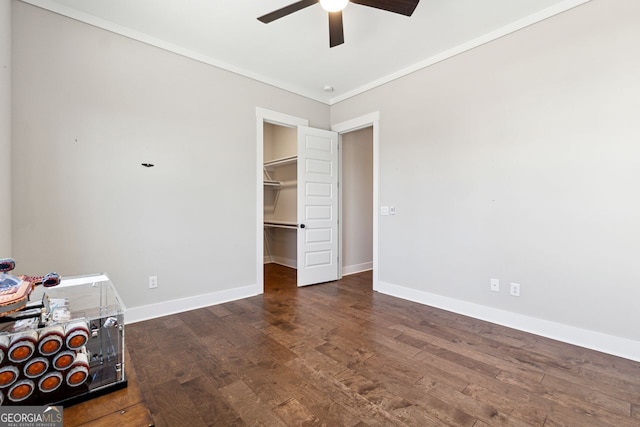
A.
x: 302, y: 226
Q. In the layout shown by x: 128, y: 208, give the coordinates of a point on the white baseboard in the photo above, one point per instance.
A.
x: 151, y: 311
x: 617, y: 346
x: 357, y: 268
x: 291, y: 263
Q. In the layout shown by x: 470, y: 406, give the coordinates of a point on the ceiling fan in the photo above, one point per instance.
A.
x: 335, y: 7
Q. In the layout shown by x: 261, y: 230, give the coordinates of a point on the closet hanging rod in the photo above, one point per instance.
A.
x: 281, y: 224
x: 281, y: 161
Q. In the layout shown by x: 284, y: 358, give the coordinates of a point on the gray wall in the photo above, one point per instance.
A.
x: 5, y: 128
x: 90, y: 107
x: 357, y: 200
x: 520, y: 160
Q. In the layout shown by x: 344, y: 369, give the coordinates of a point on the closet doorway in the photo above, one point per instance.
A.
x: 299, y: 199
x: 355, y: 249
x: 280, y: 175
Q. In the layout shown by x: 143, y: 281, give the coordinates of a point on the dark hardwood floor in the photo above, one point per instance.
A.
x: 338, y: 354
x: 124, y: 407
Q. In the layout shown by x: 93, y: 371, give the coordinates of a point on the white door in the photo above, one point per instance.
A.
x: 317, y: 206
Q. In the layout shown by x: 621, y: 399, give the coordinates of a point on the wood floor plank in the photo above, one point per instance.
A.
x: 502, y: 404
x: 252, y: 410
x: 219, y: 310
x: 307, y: 394
x: 218, y: 372
x: 201, y: 322
x: 295, y: 414
x: 270, y: 388
x: 318, y: 361
x: 510, y: 398
x: 171, y: 403
x: 367, y: 411
x: 589, y: 396
x: 267, y: 349
x: 163, y: 364
x: 104, y: 406
x: 206, y: 396
x: 397, y: 377
x: 457, y: 343
x: 137, y: 415
x: 340, y: 354
x: 395, y: 400
x: 331, y: 413
x: 582, y: 410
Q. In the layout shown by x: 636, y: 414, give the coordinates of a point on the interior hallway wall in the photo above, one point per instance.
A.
x: 357, y: 200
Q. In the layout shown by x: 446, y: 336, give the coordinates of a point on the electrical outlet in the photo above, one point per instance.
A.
x: 153, y: 282
x: 515, y: 289
x: 495, y: 285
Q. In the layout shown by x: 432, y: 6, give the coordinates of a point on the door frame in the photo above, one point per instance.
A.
x: 368, y: 120
x: 263, y: 115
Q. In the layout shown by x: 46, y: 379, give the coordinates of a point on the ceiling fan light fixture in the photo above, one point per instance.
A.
x: 334, y: 5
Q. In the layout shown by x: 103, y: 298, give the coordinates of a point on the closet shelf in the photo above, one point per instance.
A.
x: 281, y: 224
x: 280, y: 162
x: 272, y: 184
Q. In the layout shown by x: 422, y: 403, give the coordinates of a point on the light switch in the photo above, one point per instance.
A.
x: 384, y: 210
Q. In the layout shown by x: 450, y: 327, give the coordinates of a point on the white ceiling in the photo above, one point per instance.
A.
x: 293, y: 53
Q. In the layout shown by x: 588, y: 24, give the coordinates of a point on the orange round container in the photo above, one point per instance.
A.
x: 77, y: 376
x: 76, y: 334
x: 79, y: 372
x: 50, y: 382
x: 21, y: 390
x: 8, y: 375
x: 22, y: 346
x: 36, y: 367
x: 63, y: 360
x: 51, y: 340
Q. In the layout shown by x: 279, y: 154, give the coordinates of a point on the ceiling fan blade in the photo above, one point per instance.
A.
x: 287, y: 10
x: 336, y: 32
x: 403, y: 7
